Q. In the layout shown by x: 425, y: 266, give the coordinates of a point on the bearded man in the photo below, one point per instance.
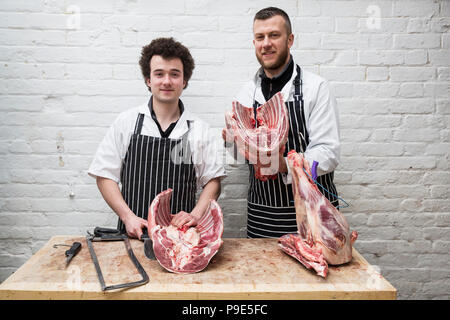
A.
x: 313, y: 125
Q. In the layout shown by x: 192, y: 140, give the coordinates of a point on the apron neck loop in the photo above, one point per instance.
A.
x: 298, y: 85
x: 138, y: 125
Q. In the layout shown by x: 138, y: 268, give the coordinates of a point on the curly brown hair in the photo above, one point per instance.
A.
x: 167, y: 48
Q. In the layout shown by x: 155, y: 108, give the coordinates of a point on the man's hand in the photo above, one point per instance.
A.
x: 227, y: 132
x: 228, y: 135
x: 134, y: 225
x: 211, y: 190
x: 112, y: 195
x: 183, y: 218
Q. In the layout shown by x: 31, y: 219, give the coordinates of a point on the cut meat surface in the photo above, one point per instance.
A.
x: 186, y: 249
x: 323, y: 235
x: 260, y: 145
x: 309, y: 256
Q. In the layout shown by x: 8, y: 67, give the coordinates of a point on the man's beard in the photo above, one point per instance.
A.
x: 277, y: 63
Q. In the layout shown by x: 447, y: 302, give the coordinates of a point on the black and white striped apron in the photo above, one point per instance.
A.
x: 154, y: 164
x: 270, y: 205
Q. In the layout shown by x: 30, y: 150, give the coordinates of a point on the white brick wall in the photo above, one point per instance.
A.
x: 62, y: 86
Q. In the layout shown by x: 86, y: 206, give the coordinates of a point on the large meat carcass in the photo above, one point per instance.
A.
x: 323, y: 234
x: 186, y: 249
x: 260, y: 144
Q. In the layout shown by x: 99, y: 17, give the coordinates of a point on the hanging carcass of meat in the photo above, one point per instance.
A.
x: 186, y: 249
x: 260, y: 144
x: 323, y: 234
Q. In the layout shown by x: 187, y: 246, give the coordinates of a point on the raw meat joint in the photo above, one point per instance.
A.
x: 188, y: 249
x: 262, y: 145
x: 323, y: 234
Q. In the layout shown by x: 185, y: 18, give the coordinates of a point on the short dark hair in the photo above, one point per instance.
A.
x: 269, y: 12
x: 167, y: 48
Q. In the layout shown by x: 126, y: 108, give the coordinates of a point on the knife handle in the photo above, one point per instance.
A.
x: 74, y: 249
x: 314, y: 170
x: 144, y: 235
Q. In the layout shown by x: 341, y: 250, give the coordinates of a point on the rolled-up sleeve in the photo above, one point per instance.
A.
x: 323, y: 121
x: 108, y: 159
x: 208, y: 159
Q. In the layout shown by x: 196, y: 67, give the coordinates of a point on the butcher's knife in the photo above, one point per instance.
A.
x: 76, y: 246
x: 72, y: 252
x: 148, y: 245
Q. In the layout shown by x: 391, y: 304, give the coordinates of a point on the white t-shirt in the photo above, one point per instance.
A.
x: 206, y: 154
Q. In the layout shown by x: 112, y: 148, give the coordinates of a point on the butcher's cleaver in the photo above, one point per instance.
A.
x: 148, y: 245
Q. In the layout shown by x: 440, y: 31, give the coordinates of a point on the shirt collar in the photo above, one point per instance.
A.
x: 186, y: 114
x: 180, y: 128
x: 152, y: 112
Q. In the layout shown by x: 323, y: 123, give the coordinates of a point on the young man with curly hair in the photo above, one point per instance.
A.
x: 158, y: 145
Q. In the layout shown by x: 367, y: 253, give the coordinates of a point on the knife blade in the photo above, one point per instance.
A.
x: 148, y: 246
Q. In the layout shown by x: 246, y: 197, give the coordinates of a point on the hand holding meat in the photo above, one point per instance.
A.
x: 261, y: 145
x: 227, y: 132
x: 183, y: 218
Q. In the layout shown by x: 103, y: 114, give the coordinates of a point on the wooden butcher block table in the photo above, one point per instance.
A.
x: 242, y: 269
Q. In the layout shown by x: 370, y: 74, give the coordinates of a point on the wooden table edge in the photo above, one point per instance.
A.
x: 9, y: 294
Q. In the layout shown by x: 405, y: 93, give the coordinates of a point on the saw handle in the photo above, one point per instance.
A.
x: 74, y: 249
x: 106, y: 234
x: 100, y: 231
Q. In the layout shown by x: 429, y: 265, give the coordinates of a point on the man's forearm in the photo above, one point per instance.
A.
x: 210, y: 191
x: 113, y: 197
